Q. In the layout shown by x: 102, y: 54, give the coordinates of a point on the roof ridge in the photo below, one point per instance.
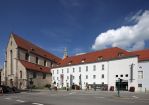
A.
x: 34, y: 63
x: 96, y: 51
x: 43, y: 50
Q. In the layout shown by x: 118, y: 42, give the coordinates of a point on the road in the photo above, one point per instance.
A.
x: 46, y: 97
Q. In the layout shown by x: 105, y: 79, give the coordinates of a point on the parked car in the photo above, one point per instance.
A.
x: 15, y: 90
x: 7, y: 89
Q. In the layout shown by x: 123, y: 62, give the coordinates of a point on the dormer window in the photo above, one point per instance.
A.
x: 70, y: 63
x: 32, y: 49
x: 100, y: 58
x: 120, y: 54
x: 83, y: 60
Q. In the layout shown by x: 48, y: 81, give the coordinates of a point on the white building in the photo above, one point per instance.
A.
x: 143, y: 70
x: 103, y: 68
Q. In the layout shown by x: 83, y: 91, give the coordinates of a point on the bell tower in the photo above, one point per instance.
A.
x: 65, y: 53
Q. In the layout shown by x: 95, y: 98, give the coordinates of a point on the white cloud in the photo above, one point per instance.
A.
x: 127, y: 37
x: 77, y: 51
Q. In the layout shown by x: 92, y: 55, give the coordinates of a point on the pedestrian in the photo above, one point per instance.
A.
x: 67, y: 87
x: 94, y: 86
x: 87, y: 86
x: 1, y: 90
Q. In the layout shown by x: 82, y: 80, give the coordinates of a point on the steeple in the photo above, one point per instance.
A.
x: 65, y: 53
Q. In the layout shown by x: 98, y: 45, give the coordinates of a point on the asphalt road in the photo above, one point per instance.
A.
x: 46, y: 97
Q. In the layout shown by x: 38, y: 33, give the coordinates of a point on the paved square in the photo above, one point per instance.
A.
x: 46, y: 97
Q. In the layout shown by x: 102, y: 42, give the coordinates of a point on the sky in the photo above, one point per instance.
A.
x: 78, y: 25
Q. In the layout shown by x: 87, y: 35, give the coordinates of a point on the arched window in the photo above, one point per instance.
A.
x: 20, y: 74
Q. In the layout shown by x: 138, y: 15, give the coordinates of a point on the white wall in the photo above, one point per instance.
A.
x: 111, y: 69
x: 11, y: 46
x: 122, y: 67
x: 144, y: 66
x: 98, y: 72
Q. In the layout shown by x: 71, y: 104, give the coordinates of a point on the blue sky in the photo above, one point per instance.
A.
x: 79, y: 25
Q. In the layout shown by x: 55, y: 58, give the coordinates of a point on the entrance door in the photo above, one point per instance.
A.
x: 123, y: 85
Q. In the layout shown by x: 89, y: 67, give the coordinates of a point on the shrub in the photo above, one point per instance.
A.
x: 48, y: 85
x: 132, y: 89
x: 112, y: 88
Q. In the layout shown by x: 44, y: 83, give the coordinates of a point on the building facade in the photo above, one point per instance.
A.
x: 27, y: 64
x: 103, y: 68
x: 143, y: 70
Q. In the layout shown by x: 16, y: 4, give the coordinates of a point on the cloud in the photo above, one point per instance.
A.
x: 77, y: 50
x: 127, y: 37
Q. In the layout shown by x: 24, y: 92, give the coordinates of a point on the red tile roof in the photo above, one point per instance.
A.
x: 143, y: 54
x: 35, y: 67
x: 106, y: 54
x: 22, y: 43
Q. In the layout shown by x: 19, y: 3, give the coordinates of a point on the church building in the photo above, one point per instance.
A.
x: 27, y: 64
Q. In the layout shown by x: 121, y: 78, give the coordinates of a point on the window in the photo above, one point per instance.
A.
x: 102, y: 67
x: 57, y: 71
x: 94, y: 67
x: 69, y: 63
x: 57, y: 78
x: 120, y: 54
x: 45, y: 63
x: 126, y: 75
x: 121, y: 75
x: 83, y: 60
x: 53, y: 71
x: 67, y: 70
x: 100, y: 58
x: 73, y: 70
x: 20, y: 74
x: 94, y: 76
x: 67, y: 77
x: 62, y: 70
x: 36, y: 60
x: 34, y: 75
x: 102, y: 76
x: 73, y: 77
x: 44, y: 75
x: 11, y: 60
x: 26, y: 56
x: 86, y: 68
x: 86, y: 76
x: 79, y: 69
x: 140, y: 74
x: 139, y: 85
x: 116, y: 76
x: 51, y: 64
x: 11, y: 43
